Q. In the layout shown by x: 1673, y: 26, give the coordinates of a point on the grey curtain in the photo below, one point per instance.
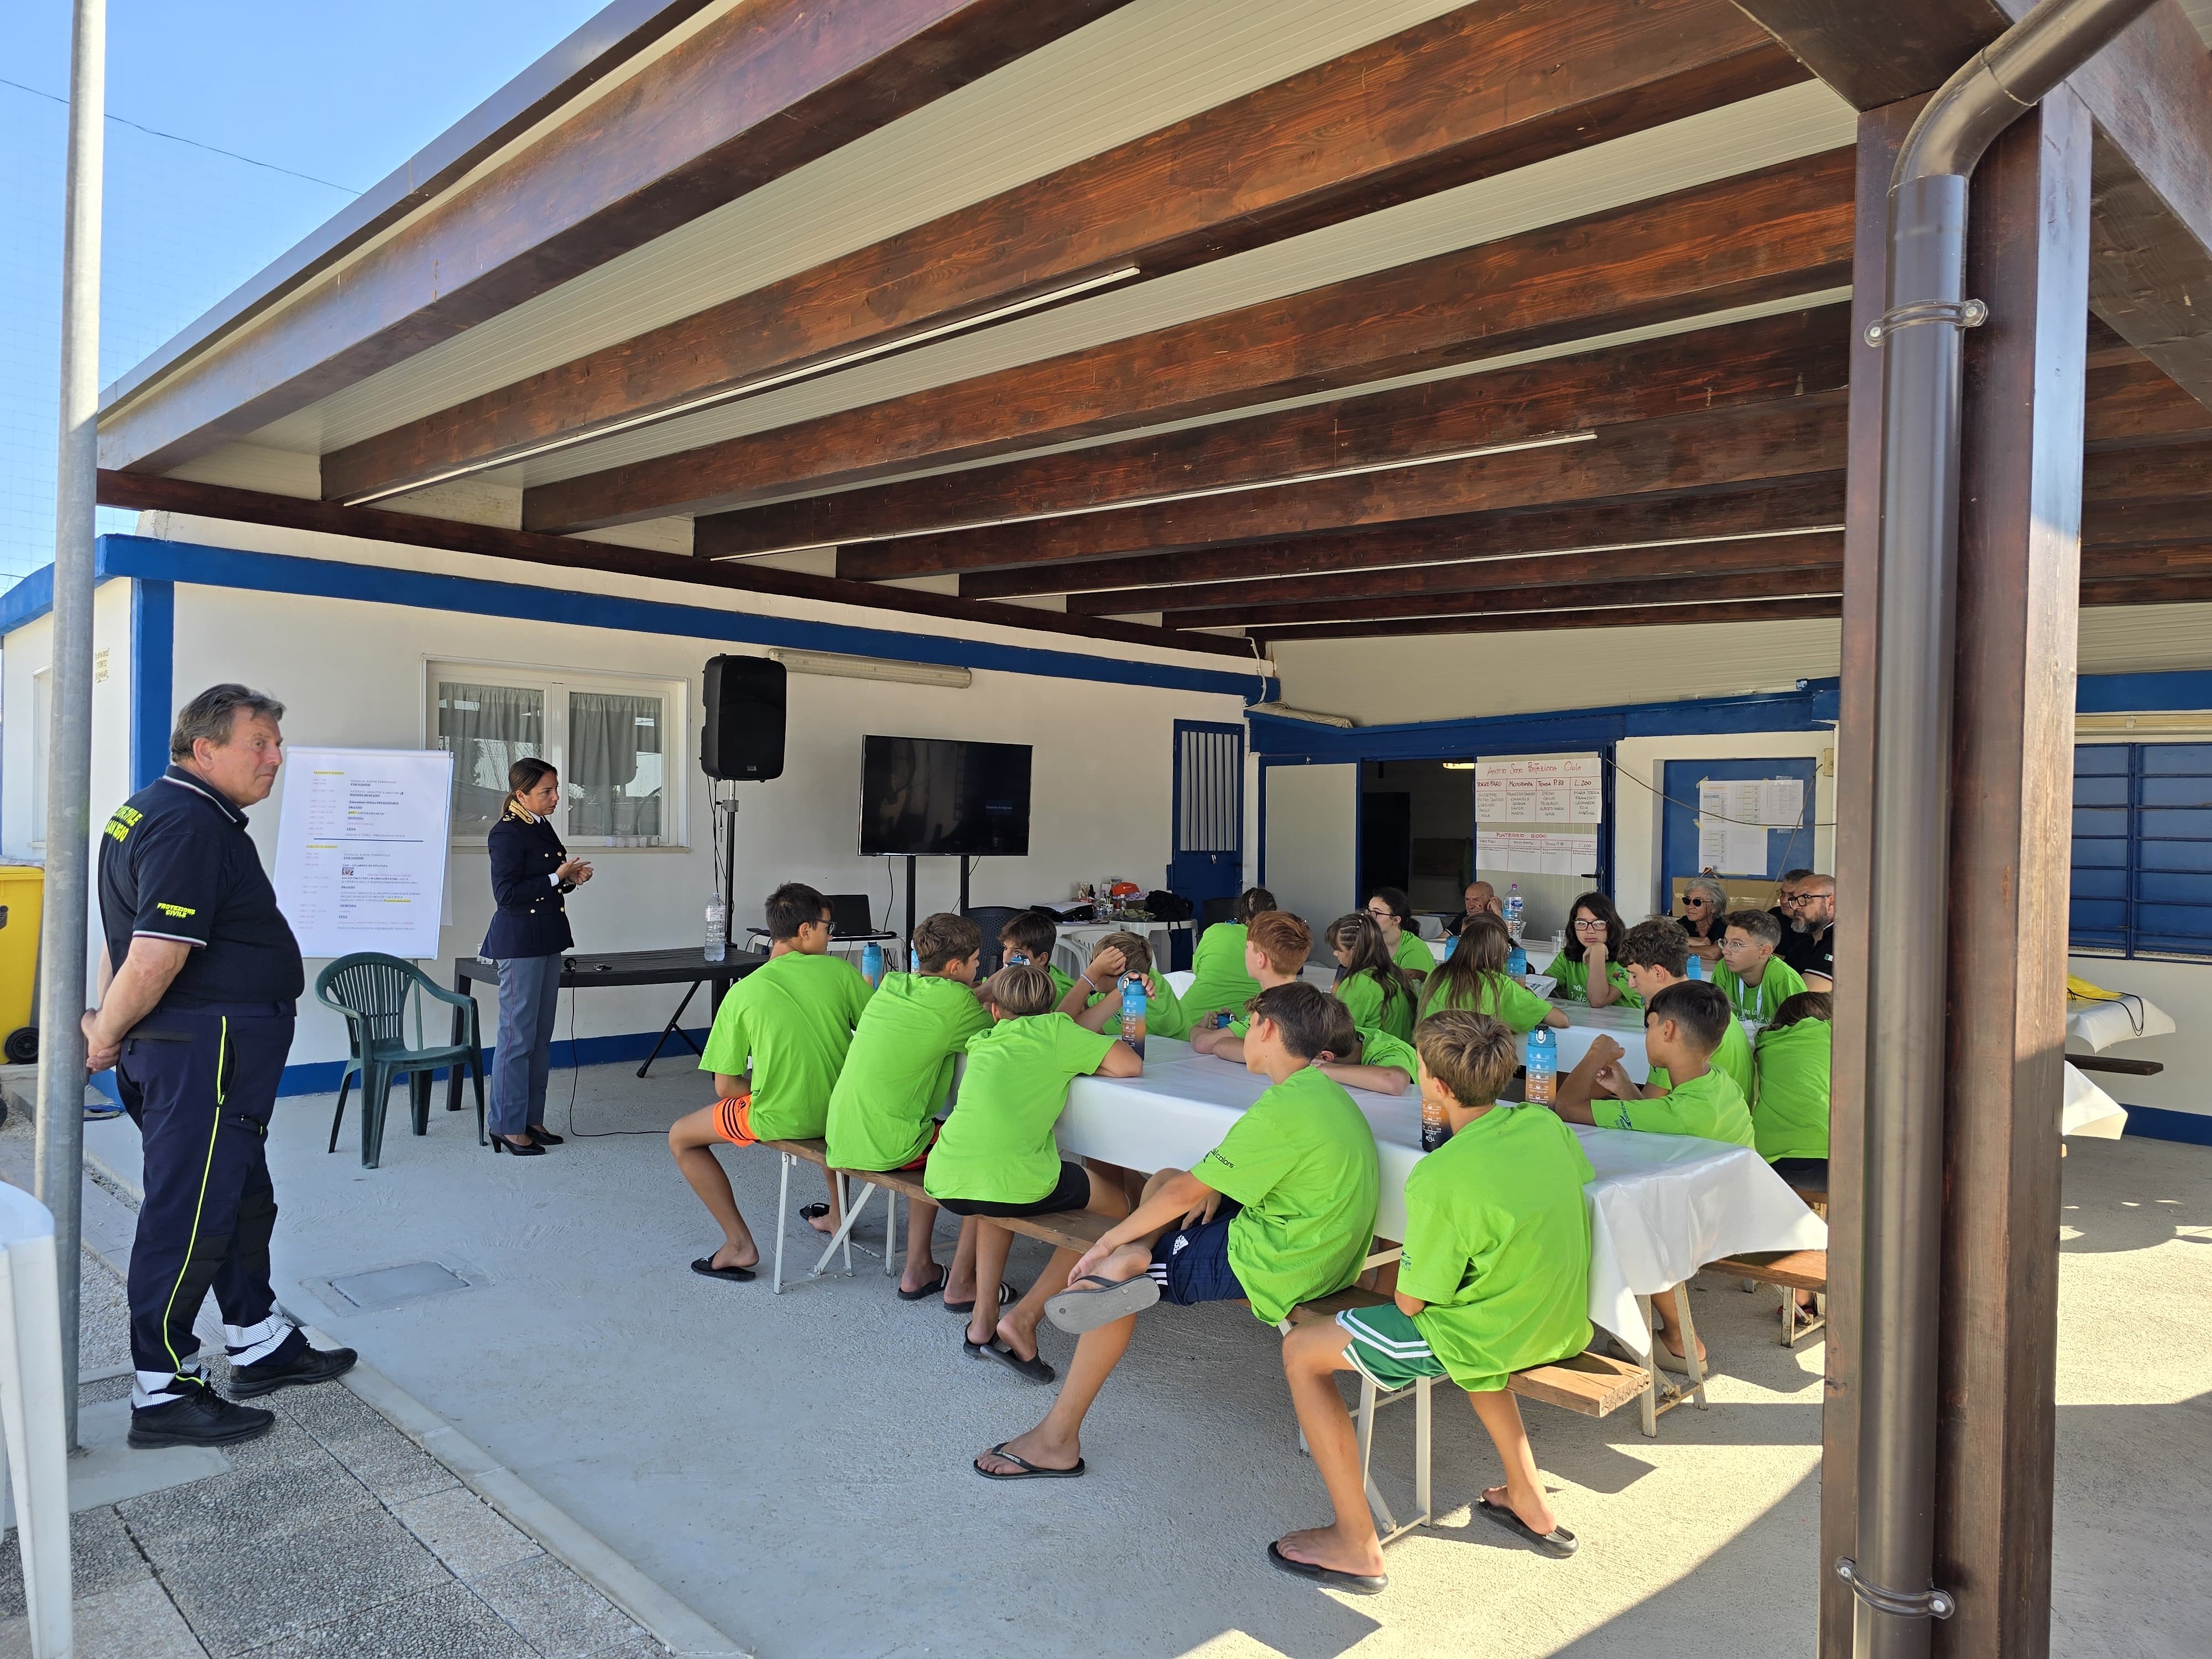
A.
x: 614, y: 764
x: 486, y: 729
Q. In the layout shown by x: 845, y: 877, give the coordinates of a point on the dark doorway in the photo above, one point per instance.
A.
x: 1417, y: 829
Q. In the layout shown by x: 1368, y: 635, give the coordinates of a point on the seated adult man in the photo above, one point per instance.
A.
x: 1754, y: 979
x: 1282, y: 1212
x: 1481, y: 900
x: 1809, y: 946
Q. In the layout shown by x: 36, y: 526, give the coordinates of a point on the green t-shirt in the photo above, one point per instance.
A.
x: 1163, y: 1010
x: 1219, y: 980
x: 997, y: 1146
x: 1710, y: 1107
x: 1413, y: 955
x: 1373, y: 1008
x: 1757, y: 1002
x: 900, y: 1070
x: 1502, y: 999
x: 1497, y: 1243
x: 1732, y: 1057
x: 789, y: 1022
x: 1378, y: 1048
x: 1571, y: 981
x: 1792, y: 1119
x: 1302, y: 1162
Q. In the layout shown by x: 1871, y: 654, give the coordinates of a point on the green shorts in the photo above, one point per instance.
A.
x: 1387, y: 1347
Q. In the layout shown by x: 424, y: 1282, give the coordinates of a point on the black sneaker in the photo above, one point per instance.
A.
x: 296, y: 1364
x: 198, y: 1416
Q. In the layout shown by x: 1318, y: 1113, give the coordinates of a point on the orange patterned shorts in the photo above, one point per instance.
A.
x: 733, y: 1121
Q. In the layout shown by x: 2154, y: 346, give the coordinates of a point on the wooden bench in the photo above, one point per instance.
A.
x: 1590, y: 1383
x: 1794, y: 1271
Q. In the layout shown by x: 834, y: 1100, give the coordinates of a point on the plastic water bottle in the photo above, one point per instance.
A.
x: 1543, y: 1067
x: 1514, y: 906
x: 1435, y: 1128
x: 1697, y: 969
x: 872, y: 962
x: 1451, y: 945
x: 718, y: 928
x: 1132, y: 1015
x: 1516, y: 961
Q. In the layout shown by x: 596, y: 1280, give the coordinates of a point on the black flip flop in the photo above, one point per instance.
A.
x: 705, y: 1268
x: 1007, y: 1297
x: 1355, y: 1584
x: 927, y: 1291
x: 1036, y: 1368
x: 813, y: 1211
x: 1029, y: 1470
x: 1558, y: 1541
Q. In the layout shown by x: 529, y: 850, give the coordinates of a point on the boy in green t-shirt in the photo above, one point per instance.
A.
x: 1275, y: 952
x: 1219, y: 978
x: 1656, y: 952
x: 995, y: 1156
x: 778, y: 1042
x: 1682, y: 1029
x: 1494, y: 1278
x: 1029, y: 937
x: 1755, y: 980
x: 882, y: 1112
x: 1281, y: 1211
x: 1789, y: 1124
x: 1163, y: 1012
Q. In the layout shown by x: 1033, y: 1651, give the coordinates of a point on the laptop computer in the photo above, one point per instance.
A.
x: 851, y: 915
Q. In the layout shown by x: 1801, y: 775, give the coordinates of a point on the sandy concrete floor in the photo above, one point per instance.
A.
x: 796, y: 1468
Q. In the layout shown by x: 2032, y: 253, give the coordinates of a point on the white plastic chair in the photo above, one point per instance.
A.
x: 31, y: 1409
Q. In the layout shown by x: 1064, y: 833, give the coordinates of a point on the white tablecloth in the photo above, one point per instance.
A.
x: 2090, y: 1112
x: 2101, y: 1025
x: 1660, y: 1207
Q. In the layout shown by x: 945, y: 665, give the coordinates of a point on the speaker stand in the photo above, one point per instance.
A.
x: 905, y: 959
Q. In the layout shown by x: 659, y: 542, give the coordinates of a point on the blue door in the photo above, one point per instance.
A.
x: 1209, y: 813
x: 1786, y: 849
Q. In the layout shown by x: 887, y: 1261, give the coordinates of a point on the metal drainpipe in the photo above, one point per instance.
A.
x: 1921, y: 330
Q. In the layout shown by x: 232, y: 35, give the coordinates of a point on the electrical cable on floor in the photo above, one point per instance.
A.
x: 575, y: 1075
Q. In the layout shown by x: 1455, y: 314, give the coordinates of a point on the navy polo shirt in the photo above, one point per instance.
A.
x: 176, y: 863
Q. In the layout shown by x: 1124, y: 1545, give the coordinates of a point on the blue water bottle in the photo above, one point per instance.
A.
x: 872, y: 962
x: 1451, y: 945
x: 1696, y: 966
x: 1132, y: 1015
x: 1543, y: 1067
x: 1516, y: 961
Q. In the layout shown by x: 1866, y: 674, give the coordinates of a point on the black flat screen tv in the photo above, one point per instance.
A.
x: 936, y: 798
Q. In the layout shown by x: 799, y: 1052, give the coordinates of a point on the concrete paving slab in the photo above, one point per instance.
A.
x: 558, y: 1614
x: 137, y: 1621
x: 469, y: 1536
x: 106, y: 1470
x: 444, y: 1624
x: 102, y: 1558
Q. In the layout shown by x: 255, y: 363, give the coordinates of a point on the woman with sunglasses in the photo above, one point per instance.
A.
x: 1705, y: 909
x: 1393, y: 913
x: 1588, y: 968
x: 531, y: 873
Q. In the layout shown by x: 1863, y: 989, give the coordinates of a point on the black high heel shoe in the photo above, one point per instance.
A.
x: 529, y: 1149
x: 544, y: 1136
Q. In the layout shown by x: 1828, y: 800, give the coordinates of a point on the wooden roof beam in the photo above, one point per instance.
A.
x: 1477, y: 91
x: 758, y: 93
x: 1759, y: 236
x: 1658, y: 616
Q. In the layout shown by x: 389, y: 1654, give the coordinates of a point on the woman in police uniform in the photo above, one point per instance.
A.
x: 531, y: 872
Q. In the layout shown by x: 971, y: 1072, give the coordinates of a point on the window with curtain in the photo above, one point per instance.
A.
x: 609, y: 740
x: 2142, y: 849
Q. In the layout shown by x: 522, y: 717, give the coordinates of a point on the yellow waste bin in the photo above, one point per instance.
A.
x: 22, y: 892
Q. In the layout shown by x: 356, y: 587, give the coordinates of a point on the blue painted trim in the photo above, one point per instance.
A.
x: 153, y: 677
x: 2129, y: 693
x: 27, y: 600
x: 149, y: 559
x: 1812, y: 708
x: 2162, y: 1123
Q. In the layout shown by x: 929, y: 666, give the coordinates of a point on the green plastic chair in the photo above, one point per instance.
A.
x: 372, y: 991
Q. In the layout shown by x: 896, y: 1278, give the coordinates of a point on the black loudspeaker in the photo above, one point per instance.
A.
x: 742, y: 737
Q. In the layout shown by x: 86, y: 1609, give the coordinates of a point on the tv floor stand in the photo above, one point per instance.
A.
x: 912, y: 860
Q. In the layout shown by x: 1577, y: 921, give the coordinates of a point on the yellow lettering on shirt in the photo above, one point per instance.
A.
x: 179, y: 911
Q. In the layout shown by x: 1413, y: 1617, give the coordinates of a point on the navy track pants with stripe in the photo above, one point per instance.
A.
x: 201, y: 1083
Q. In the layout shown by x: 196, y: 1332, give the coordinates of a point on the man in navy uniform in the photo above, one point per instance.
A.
x: 198, y: 984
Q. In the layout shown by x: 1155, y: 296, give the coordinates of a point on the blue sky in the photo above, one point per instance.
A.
x: 343, y: 92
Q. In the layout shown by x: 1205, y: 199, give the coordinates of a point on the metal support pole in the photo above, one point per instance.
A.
x: 62, y: 937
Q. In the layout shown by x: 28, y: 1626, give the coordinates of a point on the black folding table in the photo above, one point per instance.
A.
x: 607, y: 969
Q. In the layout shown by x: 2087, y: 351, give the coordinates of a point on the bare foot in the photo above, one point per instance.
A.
x: 736, y: 1255
x: 1035, y: 1449
x: 1674, y: 1346
x: 1535, y: 1514
x: 914, y: 1284
x: 1321, y: 1547
x: 823, y: 1224
x: 1022, y: 1342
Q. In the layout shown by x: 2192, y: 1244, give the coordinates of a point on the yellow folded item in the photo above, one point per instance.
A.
x: 2080, y: 990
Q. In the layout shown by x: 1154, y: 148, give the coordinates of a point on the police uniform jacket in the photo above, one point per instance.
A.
x: 532, y: 919
x: 176, y: 863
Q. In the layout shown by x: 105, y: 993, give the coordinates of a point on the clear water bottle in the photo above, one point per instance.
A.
x: 718, y: 928
x: 1132, y: 1015
x: 1697, y: 969
x: 1435, y: 1128
x: 1514, y: 907
x: 872, y: 962
x: 1543, y: 1067
x: 1516, y: 961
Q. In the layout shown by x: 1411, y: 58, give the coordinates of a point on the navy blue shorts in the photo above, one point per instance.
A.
x: 1193, y: 1266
